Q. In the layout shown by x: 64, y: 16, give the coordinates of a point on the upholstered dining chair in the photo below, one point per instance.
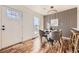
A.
x: 42, y: 34
x: 55, y: 36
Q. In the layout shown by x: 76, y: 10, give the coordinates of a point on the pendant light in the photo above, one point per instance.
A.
x: 53, y: 21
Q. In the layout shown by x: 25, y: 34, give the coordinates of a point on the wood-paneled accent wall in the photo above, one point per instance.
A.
x: 67, y: 19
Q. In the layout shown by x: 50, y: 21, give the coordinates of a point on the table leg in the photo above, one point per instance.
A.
x: 76, y: 43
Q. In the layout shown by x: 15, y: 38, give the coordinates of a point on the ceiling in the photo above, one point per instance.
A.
x: 43, y: 9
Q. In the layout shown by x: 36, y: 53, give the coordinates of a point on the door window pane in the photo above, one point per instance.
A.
x: 12, y: 13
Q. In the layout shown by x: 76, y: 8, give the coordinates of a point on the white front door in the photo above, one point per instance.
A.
x: 11, y: 26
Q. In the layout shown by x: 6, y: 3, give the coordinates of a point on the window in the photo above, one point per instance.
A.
x: 36, y: 23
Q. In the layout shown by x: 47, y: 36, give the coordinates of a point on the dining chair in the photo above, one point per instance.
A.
x: 54, y: 36
x: 41, y: 33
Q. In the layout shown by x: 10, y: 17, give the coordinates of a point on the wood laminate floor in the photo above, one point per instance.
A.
x: 19, y: 48
x: 26, y: 47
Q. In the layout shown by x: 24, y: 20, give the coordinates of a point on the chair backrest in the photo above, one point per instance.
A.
x: 56, y: 35
x: 41, y: 33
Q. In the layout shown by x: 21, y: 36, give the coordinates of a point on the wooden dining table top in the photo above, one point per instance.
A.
x: 76, y: 30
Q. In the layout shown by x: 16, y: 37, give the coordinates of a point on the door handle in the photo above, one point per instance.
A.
x: 3, y: 29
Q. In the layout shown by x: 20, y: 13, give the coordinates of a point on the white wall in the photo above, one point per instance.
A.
x: 28, y: 20
x: 78, y: 17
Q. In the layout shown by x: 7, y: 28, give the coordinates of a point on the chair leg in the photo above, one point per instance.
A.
x: 61, y: 45
x: 50, y: 47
